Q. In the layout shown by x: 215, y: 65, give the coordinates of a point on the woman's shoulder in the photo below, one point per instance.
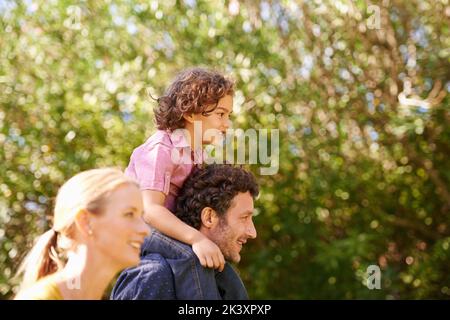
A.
x: 45, y: 289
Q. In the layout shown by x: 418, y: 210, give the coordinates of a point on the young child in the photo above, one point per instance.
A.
x: 196, y: 95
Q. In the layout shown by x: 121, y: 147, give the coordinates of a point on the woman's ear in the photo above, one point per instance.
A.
x: 209, y: 217
x: 82, y: 221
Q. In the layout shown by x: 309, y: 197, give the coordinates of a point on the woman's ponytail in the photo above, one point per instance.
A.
x: 42, y: 260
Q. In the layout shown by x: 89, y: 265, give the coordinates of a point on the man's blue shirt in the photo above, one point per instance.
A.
x: 169, y: 269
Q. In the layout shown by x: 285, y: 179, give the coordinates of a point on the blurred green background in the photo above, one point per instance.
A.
x: 358, y: 90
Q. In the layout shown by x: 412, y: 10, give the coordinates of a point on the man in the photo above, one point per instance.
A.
x: 217, y: 200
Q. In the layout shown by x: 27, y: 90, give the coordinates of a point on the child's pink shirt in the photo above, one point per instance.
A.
x: 152, y: 166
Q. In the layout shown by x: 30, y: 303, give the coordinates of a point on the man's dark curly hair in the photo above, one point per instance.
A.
x: 193, y: 91
x: 213, y: 186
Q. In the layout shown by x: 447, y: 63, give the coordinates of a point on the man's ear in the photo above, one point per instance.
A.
x: 83, y: 223
x: 209, y: 217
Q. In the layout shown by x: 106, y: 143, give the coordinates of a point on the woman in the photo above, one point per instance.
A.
x: 98, y: 230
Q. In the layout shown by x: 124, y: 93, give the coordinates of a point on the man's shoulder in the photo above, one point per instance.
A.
x: 149, y: 266
x: 167, y: 247
x: 151, y: 279
x: 154, y: 263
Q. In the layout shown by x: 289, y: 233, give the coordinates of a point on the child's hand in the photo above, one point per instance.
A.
x: 209, y: 254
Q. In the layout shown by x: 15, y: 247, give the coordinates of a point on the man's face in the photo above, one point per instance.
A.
x: 233, y: 230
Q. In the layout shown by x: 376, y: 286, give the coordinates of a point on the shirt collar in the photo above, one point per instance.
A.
x: 179, y: 139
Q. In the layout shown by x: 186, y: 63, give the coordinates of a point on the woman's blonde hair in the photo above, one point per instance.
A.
x: 87, y: 190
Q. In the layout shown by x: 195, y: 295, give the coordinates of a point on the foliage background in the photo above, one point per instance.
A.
x: 362, y: 106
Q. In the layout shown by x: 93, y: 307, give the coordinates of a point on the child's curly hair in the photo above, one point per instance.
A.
x: 194, y: 90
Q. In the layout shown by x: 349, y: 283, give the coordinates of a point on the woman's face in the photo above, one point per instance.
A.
x: 119, y: 231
